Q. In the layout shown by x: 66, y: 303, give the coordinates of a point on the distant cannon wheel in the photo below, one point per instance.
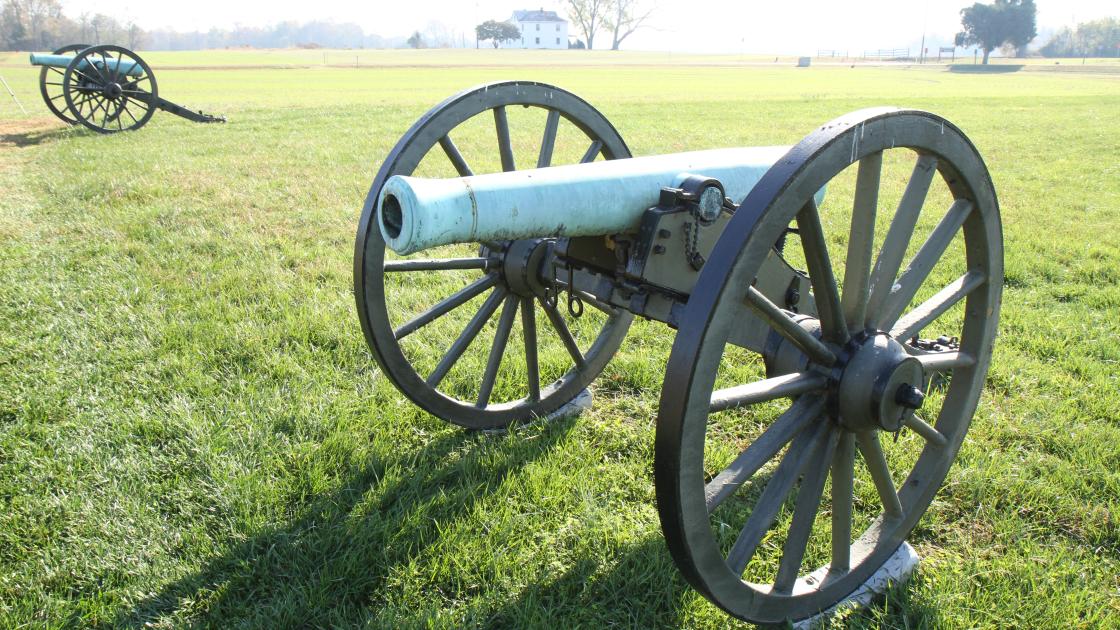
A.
x: 431, y: 348
x: 109, y: 89
x: 50, y: 86
x: 754, y: 490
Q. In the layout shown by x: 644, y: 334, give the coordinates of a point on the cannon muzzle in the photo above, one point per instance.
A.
x: 579, y: 200
x: 126, y: 67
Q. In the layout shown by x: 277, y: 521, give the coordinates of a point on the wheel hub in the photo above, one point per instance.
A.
x: 523, y: 265
x: 880, y: 384
x: 113, y: 90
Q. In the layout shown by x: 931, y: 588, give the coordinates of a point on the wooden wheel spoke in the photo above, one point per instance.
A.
x: 505, y: 146
x: 923, y: 262
x: 548, y: 142
x: 453, y: 154
x: 89, y: 78
x: 762, y: 450
x: 460, y: 345
x: 100, y: 75
x: 436, y: 264
x: 78, y: 104
x: 786, y: 386
x: 927, y: 431
x: 129, y: 112
x: 99, y: 105
x: 935, y: 362
x: 804, y: 513
x: 825, y: 290
x: 927, y: 312
x: 861, y: 241
x: 899, y: 233
x: 592, y: 152
x: 494, y: 361
x: 785, y: 326
x: 529, y: 334
x: 777, y: 489
x: 110, y: 74
x: 876, y: 462
x: 452, y: 302
x: 843, y: 464
x: 565, y: 335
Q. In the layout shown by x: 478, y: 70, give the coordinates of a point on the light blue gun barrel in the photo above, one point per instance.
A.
x: 118, y: 67
x: 592, y: 199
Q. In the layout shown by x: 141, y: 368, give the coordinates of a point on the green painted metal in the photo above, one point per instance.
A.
x: 129, y: 68
x: 577, y: 200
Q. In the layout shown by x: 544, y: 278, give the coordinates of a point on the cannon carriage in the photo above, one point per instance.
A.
x: 105, y: 88
x: 817, y: 389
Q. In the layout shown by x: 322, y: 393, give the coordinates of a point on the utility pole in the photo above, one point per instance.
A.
x: 925, y: 24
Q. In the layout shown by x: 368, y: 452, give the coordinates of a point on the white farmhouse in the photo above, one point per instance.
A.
x: 539, y: 29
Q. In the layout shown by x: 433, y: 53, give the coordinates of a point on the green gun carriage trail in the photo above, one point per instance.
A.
x: 193, y: 431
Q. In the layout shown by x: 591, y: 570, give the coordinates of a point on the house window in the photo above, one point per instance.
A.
x: 557, y: 28
x: 557, y: 41
x: 538, y: 40
x: 538, y: 27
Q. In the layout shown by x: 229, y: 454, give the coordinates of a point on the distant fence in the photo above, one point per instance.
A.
x: 831, y: 54
x: 887, y: 54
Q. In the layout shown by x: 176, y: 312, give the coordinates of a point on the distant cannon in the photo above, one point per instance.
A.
x: 785, y: 365
x: 106, y: 88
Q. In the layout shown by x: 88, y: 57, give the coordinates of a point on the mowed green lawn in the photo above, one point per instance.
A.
x: 193, y: 431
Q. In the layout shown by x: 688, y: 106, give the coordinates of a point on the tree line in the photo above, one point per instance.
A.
x: 1099, y: 38
x: 41, y: 25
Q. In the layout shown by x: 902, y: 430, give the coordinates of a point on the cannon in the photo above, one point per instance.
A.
x: 105, y: 88
x: 834, y: 304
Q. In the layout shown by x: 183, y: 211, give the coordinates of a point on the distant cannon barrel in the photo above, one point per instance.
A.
x: 130, y: 68
x: 606, y: 197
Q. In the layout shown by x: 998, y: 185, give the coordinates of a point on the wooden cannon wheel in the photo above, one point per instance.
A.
x: 734, y: 524
x: 50, y: 85
x: 104, y: 98
x: 418, y: 346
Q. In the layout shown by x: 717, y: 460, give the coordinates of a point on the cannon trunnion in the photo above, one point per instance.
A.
x: 808, y: 323
x: 105, y: 88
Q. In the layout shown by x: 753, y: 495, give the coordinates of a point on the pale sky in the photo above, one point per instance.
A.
x: 733, y: 26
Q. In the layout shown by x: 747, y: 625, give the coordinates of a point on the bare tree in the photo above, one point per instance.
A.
x: 588, y: 16
x: 135, y: 36
x: 623, y: 17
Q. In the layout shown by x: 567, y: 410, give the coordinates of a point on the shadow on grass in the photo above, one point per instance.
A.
x: 30, y: 133
x: 971, y: 68
x: 639, y: 589
x: 326, y: 567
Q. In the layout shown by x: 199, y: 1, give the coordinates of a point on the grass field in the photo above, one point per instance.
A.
x: 193, y: 431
